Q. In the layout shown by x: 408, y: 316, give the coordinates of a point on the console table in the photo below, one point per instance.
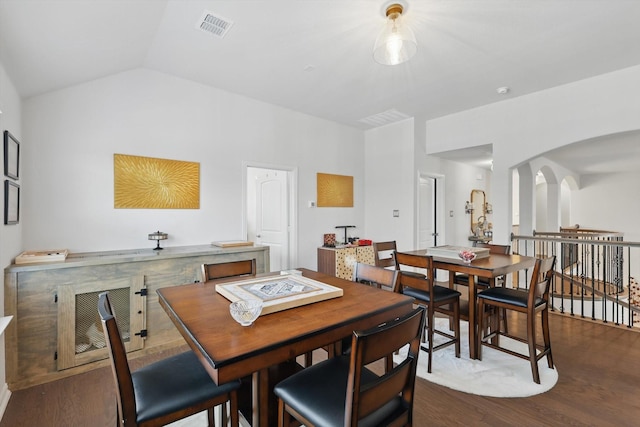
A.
x: 339, y: 262
x: 56, y: 331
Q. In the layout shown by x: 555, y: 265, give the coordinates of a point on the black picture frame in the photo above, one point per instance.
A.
x: 11, y: 156
x: 11, y: 202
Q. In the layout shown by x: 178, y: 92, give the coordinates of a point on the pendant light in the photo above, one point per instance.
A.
x: 396, y: 43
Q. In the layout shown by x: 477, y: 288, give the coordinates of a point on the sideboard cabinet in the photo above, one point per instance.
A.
x: 339, y: 262
x: 56, y: 331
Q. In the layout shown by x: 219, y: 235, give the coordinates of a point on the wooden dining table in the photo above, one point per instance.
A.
x: 491, y: 267
x: 229, y: 351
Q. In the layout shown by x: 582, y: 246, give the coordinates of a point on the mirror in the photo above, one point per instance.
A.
x: 479, y: 222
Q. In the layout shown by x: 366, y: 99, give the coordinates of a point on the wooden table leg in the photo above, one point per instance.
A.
x: 473, y: 321
x: 260, y: 398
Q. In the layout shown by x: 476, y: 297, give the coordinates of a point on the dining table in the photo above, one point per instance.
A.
x: 229, y: 351
x: 490, y: 267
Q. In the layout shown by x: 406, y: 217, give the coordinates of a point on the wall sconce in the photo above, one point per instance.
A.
x: 468, y: 207
x: 488, y: 209
x: 157, y: 236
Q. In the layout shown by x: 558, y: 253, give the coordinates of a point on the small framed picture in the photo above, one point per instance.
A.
x: 11, y: 156
x: 11, y: 202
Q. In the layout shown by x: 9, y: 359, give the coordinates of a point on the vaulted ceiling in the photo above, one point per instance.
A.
x: 316, y: 56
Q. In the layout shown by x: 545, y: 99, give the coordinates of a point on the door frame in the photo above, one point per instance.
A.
x: 439, y: 207
x: 292, y: 186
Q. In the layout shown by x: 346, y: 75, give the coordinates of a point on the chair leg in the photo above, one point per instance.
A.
x: 480, y: 333
x: 546, y: 336
x: 431, y: 320
x: 211, y: 421
x: 503, y: 316
x: 283, y: 416
x: 308, y: 359
x: 531, y: 338
x: 456, y: 326
x: 233, y: 409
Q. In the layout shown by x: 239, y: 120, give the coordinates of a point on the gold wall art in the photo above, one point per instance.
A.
x: 150, y: 183
x: 334, y: 190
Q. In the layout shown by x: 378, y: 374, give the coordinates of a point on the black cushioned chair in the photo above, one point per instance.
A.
x: 164, y: 391
x: 530, y: 302
x: 341, y: 391
x: 437, y: 299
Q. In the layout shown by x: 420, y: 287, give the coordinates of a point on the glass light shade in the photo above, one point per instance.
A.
x: 396, y: 43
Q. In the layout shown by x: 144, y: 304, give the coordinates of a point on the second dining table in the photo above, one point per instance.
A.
x: 491, y: 267
x: 229, y: 351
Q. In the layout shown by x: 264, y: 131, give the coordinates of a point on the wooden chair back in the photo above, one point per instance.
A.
x: 541, y: 282
x: 228, y: 269
x: 496, y: 249
x: 416, y: 261
x: 398, y: 383
x: 383, y: 253
x: 376, y: 276
x: 125, y: 396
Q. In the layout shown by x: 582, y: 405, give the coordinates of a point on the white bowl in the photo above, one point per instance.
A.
x: 245, y: 312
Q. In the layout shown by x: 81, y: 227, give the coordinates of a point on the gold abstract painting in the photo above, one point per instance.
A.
x: 335, y: 190
x: 150, y: 183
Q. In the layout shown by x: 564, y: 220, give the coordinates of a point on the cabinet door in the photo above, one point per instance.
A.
x: 346, y: 259
x: 365, y: 255
x: 80, y: 336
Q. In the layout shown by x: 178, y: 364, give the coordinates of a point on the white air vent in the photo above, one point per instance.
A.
x: 384, y: 118
x: 213, y: 24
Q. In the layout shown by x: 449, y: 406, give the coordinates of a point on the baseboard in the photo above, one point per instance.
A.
x: 5, y: 394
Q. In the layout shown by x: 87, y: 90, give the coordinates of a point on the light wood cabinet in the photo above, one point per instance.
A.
x: 339, y: 262
x: 39, y: 297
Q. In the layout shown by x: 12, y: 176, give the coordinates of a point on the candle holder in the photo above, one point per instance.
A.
x: 157, y: 236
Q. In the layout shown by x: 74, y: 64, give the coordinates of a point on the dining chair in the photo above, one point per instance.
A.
x: 370, y: 275
x: 531, y: 302
x: 341, y: 391
x: 438, y: 299
x: 275, y: 372
x: 164, y: 391
x: 482, y: 282
x: 376, y: 276
x: 228, y: 269
x: 380, y: 278
x: 383, y: 255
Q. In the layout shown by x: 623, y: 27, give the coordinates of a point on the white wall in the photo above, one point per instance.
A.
x: 525, y: 127
x: 10, y: 235
x: 73, y: 133
x: 390, y: 184
x: 608, y: 202
x: 394, y: 157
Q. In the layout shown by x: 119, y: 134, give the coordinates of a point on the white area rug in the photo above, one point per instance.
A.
x: 497, y: 375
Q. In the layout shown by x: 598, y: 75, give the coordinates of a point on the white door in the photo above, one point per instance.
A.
x: 427, y: 235
x: 272, y: 217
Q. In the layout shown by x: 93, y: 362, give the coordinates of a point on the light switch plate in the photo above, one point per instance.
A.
x: 396, y: 213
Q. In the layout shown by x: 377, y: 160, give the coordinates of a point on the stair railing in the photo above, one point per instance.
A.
x: 597, y: 273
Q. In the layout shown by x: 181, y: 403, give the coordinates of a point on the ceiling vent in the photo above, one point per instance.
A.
x: 213, y: 24
x: 384, y: 118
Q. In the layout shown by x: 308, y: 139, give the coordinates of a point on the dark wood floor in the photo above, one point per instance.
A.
x: 599, y: 385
